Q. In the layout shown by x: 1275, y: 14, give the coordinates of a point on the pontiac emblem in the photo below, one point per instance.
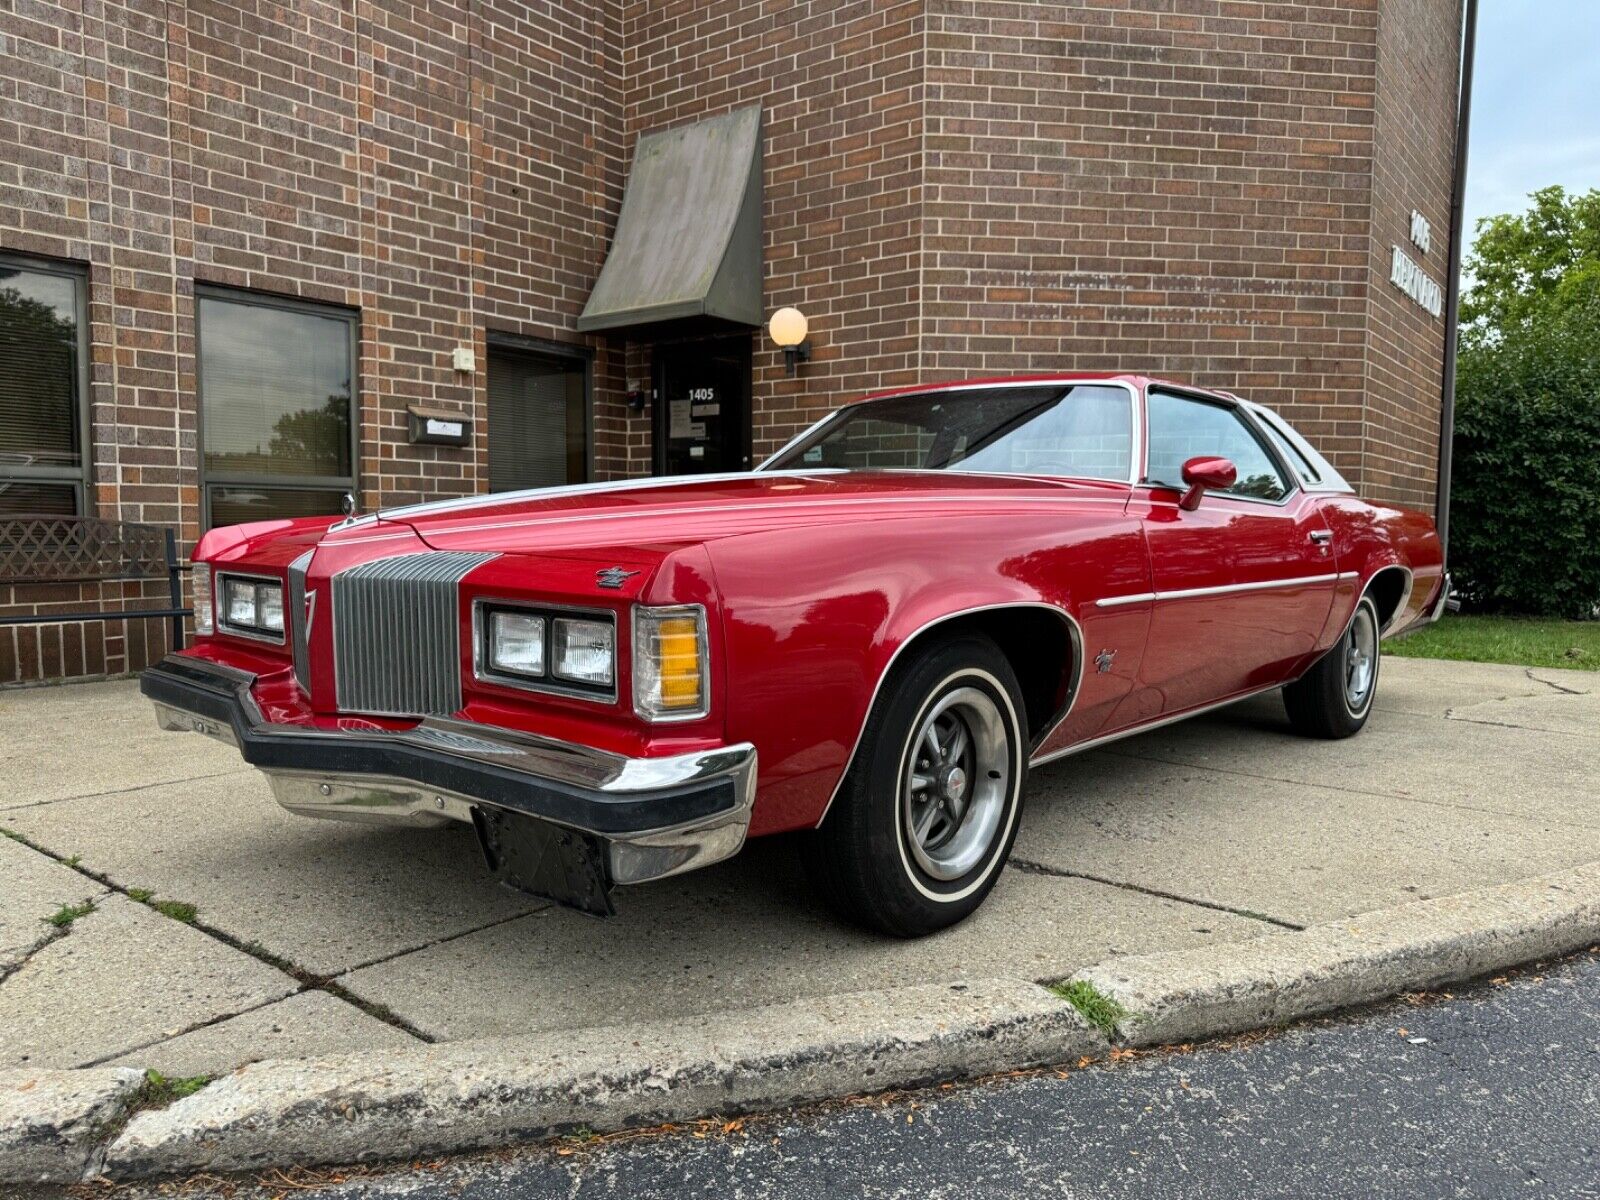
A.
x: 1102, y: 661
x: 613, y: 577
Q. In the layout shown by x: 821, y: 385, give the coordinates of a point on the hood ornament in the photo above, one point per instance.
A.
x: 613, y: 577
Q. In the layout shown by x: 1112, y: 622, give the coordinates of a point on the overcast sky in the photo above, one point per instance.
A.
x: 1535, y: 103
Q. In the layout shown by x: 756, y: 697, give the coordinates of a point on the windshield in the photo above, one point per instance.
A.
x: 1083, y: 430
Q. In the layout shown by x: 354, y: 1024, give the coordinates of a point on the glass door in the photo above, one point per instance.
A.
x: 702, y: 421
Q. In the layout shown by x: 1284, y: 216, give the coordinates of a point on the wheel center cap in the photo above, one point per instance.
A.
x: 955, y: 783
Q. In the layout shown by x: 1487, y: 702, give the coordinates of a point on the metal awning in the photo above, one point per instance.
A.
x: 688, y: 242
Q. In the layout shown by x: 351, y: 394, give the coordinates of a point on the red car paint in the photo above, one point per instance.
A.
x: 813, y: 582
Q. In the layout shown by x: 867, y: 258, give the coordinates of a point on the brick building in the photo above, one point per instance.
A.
x: 255, y: 255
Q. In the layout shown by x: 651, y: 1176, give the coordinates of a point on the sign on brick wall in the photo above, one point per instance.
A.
x: 1411, y: 279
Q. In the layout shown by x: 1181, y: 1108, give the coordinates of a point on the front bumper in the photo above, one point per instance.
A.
x: 653, y: 816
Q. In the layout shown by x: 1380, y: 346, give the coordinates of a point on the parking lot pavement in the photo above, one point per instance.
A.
x: 313, y: 937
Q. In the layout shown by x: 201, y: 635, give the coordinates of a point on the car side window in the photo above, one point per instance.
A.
x: 1182, y: 427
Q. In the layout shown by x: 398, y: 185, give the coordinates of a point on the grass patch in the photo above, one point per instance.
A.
x: 158, y: 1090
x: 1097, y: 1008
x: 178, y: 910
x: 64, y: 916
x: 1520, y: 641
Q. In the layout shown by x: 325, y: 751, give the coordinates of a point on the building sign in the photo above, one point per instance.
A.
x: 1411, y: 279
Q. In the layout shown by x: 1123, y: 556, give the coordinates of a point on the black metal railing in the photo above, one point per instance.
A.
x: 53, y: 549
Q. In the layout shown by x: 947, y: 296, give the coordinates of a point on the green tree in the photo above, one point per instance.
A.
x: 1525, y: 503
x: 1524, y: 265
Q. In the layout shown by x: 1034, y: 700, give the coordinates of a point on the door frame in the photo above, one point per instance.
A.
x: 658, y: 418
x: 578, y: 354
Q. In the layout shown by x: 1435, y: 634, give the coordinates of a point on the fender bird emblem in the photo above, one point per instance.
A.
x: 613, y: 577
x: 1102, y: 661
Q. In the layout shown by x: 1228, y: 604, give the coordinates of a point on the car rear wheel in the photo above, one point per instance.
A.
x: 923, y: 823
x: 1334, y: 698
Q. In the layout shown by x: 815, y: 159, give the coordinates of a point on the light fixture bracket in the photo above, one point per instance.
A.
x: 793, y: 356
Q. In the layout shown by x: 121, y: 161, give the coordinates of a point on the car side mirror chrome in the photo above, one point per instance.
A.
x: 1203, y: 474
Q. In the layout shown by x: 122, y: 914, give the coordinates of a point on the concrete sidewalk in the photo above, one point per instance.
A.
x: 314, y: 937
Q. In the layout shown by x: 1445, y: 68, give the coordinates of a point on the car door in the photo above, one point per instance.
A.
x: 1242, y: 585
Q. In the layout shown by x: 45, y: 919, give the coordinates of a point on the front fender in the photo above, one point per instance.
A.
x: 813, y: 629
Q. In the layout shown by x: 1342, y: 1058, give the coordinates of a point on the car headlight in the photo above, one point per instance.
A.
x: 547, y: 649
x: 200, y: 587
x: 671, y: 680
x: 252, y: 606
x: 516, y: 643
x: 583, y: 651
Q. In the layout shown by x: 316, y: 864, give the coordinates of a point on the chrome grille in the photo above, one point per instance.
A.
x: 397, y: 634
x: 299, y: 620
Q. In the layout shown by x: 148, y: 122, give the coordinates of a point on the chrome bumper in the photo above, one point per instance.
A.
x: 656, y: 816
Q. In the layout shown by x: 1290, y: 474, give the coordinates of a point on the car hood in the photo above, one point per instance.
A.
x: 655, y: 516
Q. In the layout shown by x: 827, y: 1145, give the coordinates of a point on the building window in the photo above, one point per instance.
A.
x: 277, y: 407
x: 538, y: 419
x: 44, y: 386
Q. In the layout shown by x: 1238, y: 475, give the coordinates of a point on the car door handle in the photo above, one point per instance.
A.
x: 1321, y: 536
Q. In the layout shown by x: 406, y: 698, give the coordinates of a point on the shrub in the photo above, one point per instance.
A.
x: 1525, y: 494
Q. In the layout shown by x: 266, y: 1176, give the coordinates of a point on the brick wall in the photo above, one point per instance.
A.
x: 1415, y: 155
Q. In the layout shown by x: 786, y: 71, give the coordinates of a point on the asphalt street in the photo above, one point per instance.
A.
x: 1491, y: 1091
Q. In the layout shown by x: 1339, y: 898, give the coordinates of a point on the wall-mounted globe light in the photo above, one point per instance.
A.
x: 788, y: 331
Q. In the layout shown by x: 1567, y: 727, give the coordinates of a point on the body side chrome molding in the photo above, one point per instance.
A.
x: 1074, y: 636
x: 1222, y: 589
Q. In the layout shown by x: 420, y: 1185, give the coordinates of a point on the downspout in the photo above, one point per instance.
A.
x: 1452, y: 301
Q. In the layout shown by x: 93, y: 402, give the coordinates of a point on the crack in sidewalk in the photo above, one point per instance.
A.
x: 309, y: 980
x: 1565, y: 691
x: 139, y: 787
x: 53, y: 935
x: 48, y: 939
x: 1027, y: 866
x: 442, y: 940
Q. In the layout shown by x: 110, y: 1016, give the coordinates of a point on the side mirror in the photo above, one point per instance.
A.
x: 1205, y: 474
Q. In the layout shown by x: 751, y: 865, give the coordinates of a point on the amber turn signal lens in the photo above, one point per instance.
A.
x: 678, y: 651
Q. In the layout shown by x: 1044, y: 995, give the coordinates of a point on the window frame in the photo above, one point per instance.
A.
x: 1239, y: 413
x: 350, y: 484
x: 517, y: 343
x: 78, y: 477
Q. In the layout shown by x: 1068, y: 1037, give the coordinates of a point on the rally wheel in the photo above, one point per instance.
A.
x: 927, y: 814
x: 1334, y: 698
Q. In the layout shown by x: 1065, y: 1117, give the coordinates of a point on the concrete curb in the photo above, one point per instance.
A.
x: 468, y: 1095
x: 52, y: 1122
x: 465, y: 1095
x: 1181, y: 996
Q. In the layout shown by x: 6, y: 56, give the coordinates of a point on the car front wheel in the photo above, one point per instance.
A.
x: 1334, y: 698
x: 926, y: 817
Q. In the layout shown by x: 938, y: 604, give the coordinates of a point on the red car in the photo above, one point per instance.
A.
x: 873, y: 636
